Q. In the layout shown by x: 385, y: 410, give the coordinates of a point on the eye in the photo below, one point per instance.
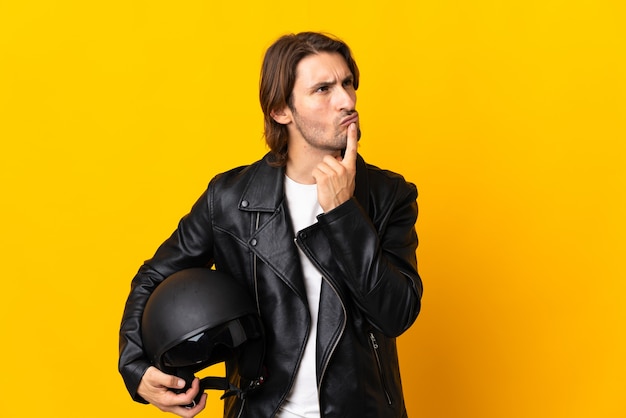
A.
x: 348, y: 82
x: 322, y: 89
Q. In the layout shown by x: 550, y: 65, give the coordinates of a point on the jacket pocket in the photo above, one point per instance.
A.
x: 381, y: 369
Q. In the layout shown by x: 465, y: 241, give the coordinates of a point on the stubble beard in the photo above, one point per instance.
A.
x: 315, y: 134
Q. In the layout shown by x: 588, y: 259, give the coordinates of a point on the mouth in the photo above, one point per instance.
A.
x: 354, y: 117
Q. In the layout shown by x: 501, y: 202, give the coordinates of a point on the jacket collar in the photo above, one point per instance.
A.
x: 264, y: 192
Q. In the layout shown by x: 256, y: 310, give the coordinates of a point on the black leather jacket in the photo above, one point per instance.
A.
x: 370, y: 294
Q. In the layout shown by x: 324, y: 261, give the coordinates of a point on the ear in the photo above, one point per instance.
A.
x: 282, y: 116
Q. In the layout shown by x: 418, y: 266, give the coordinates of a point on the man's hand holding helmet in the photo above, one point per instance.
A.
x: 158, y: 388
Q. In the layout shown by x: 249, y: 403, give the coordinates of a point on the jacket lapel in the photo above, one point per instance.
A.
x: 272, y: 240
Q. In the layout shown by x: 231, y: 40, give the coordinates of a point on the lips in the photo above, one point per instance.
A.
x: 354, y: 117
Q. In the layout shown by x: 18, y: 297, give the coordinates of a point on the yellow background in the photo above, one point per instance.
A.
x: 508, y: 115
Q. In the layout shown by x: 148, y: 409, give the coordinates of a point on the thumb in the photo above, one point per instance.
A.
x: 175, y: 382
x: 158, y: 378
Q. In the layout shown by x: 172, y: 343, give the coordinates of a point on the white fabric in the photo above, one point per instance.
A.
x: 302, y: 401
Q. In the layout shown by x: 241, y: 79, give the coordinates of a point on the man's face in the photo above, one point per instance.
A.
x: 323, y: 102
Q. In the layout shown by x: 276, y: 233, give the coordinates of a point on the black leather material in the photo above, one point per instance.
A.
x: 371, y: 290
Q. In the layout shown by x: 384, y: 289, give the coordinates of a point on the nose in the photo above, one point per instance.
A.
x: 346, y: 98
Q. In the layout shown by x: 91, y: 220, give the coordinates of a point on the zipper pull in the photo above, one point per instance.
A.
x: 374, y: 342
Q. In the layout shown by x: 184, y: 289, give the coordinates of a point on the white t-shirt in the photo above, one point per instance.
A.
x: 303, y: 400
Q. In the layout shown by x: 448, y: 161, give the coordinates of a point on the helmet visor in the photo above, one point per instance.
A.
x: 204, y: 347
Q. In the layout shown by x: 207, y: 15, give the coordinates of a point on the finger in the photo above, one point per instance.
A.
x: 185, y: 412
x: 201, y: 405
x: 330, y: 165
x: 183, y: 404
x: 193, y: 389
x: 186, y: 397
x: 156, y: 377
x: 349, y: 158
x: 190, y: 412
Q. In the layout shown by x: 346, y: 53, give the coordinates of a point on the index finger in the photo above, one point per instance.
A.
x: 349, y: 157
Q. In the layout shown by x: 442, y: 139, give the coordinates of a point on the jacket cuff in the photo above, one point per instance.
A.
x: 132, y: 378
x: 346, y: 208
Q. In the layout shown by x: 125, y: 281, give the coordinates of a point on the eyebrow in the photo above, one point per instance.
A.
x: 315, y: 86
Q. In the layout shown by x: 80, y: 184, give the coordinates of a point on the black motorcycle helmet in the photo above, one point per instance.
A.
x: 199, y: 317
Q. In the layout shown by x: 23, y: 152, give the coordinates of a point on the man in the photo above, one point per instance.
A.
x: 324, y: 242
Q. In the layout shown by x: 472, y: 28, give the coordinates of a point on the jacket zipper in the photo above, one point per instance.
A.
x: 380, y: 367
x: 343, y: 327
x: 254, y: 268
x: 256, y: 295
x: 243, y: 403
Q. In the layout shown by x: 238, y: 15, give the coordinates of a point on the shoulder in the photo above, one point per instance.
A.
x: 255, y: 182
x: 386, y: 183
x: 238, y: 176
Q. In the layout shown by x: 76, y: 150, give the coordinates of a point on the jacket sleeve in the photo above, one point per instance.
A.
x: 377, y: 258
x: 189, y: 246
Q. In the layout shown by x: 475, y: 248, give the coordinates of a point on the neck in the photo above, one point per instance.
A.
x: 302, y: 160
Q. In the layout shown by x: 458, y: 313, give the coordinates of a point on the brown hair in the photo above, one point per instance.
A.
x: 278, y: 76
